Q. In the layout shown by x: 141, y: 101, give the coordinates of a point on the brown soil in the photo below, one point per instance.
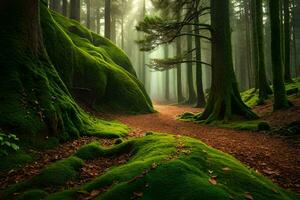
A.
x: 274, y: 157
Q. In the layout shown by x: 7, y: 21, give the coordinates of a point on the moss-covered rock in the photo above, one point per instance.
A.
x: 171, y: 167
x: 94, y: 69
x: 37, y: 92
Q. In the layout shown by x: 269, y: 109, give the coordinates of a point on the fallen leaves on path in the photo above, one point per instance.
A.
x: 274, y: 157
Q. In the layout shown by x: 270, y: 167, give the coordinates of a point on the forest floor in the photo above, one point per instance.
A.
x: 274, y: 156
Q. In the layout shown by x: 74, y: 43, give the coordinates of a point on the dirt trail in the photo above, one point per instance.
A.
x: 273, y: 157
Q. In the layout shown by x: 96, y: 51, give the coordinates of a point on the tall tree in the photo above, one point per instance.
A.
x: 107, y: 19
x: 262, y: 82
x: 190, y: 77
x: 55, y: 5
x: 167, y: 73
x: 180, y: 98
x: 287, y: 41
x: 224, y: 98
x: 199, y: 83
x: 75, y: 10
x: 280, y: 97
x: 88, y: 13
x: 65, y: 5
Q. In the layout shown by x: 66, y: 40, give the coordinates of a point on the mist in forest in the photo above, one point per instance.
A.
x: 162, y: 84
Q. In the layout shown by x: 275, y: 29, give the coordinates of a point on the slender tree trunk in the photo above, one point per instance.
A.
x: 249, y: 51
x: 55, y: 5
x: 287, y: 42
x: 297, y: 73
x: 280, y: 98
x: 65, y: 7
x: 224, y: 99
x: 167, y: 80
x: 255, y: 48
x: 263, y: 86
x: 180, y: 97
x: 200, y: 94
x: 113, y: 29
x: 88, y: 13
x: 75, y: 10
x: 98, y: 20
x: 108, y: 19
x: 190, y: 78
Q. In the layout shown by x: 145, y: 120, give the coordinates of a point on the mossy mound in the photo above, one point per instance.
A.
x: 166, y: 167
x: 250, y: 97
x: 94, y: 69
x: 37, y: 91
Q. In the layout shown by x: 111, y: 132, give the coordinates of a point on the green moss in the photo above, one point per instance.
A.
x: 100, y: 74
x: 94, y: 150
x: 33, y: 195
x: 166, y: 167
x: 250, y: 97
x: 107, y: 129
x: 14, y: 160
x: 170, y: 167
x: 55, y: 175
x: 254, y: 125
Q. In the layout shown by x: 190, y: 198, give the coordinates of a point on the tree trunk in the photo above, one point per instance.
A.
x: 75, y: 10
x: 224, y: 99
x: 199, y: 83
x: 190, y: 78
x: 32, y: 29
x: 98, y: 24
x: 88, y: 13
x: 263, y: 86
x: 108, y: 19
x: 113, y: 36
x: 167, y: 80
x: 280, y: 98
x: 180, y: 97
x: 65, y: 8
x: 287, y: 42
x: 55, y: 5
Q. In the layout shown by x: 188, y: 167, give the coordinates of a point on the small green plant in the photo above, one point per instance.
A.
x: 8, y: 143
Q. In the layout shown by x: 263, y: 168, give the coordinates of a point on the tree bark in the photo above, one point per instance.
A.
x: 199, y: 83
x: 55, y: 5
x: 263, y: 86
x: 190, y: 78
x: 287, y: 42
x: 65, y: 5
x: 167, y: 80
x: 280, y: 98
x: 108, y: 19
x: 224, y: 99
x: 75, y: 10
x: 88, y: 13
x: 180, y: 97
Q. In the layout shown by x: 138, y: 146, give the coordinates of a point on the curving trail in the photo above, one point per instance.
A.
x: 271, y: 156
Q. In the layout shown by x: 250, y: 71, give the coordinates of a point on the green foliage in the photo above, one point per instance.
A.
x: 8, y: 143
x: 161, y: 166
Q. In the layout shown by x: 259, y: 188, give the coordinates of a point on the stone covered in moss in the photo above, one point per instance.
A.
x: 169, y: 167
x: 37, y: 92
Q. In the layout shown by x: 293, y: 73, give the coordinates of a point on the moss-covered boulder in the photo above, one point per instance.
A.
x: 38, y: 90
x: 93, y: 68
x: 160, y: 167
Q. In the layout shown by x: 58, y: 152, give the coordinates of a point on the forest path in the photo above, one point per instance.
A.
x: 271, y: 156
